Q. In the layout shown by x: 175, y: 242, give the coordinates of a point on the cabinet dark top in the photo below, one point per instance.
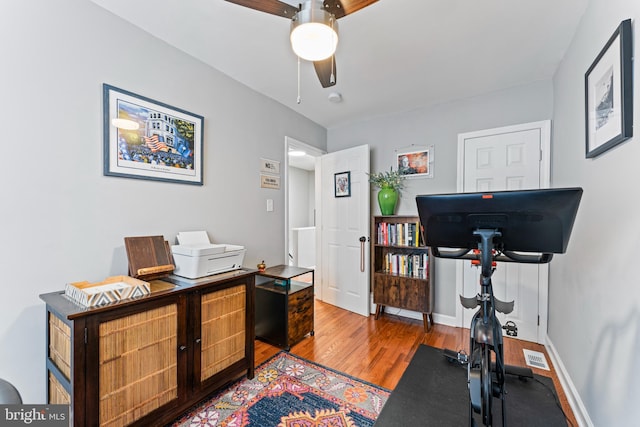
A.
x: 159, y: 288
x: 284, y: 271
x: 292, y: 288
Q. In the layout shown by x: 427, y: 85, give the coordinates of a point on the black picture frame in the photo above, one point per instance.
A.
x: 609, y: 94
x: 342, y: 184
x: 147, y: 139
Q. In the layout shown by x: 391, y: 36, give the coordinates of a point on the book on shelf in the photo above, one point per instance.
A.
x: 399, y: 234
x: 411, y: 265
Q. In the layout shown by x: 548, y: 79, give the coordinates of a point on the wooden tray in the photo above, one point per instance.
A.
x: 112, y: 289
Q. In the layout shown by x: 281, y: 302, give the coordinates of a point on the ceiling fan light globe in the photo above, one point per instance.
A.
x: 314, y: 41
x: 314, y: 32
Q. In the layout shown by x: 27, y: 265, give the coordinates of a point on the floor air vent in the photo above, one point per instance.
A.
x: 535, y: 359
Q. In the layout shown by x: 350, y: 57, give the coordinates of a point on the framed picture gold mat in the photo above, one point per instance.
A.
x: 147, y: 139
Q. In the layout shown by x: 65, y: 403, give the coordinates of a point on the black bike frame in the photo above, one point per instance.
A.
x: 486, y: 329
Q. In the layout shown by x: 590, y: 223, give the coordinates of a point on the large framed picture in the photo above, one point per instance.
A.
x: 342, y: 184
x: 147, y: 139
x: 609, y: 94
x: 415, y: 162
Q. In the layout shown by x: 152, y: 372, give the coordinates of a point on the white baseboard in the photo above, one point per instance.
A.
x: 441, y: 319
x: 579, y: 410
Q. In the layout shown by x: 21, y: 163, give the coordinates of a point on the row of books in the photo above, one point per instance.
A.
x: 411, y: 265
x: 399, y: 234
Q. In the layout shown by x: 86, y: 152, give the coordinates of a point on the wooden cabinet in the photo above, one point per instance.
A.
x: 402, y: 267
x: 146, y: 361
x: 284, y: 305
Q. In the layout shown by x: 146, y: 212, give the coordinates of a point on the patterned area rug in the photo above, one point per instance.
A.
x: 288, y: 391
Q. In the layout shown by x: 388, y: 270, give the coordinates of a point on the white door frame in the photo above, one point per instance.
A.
x: 545, y: 182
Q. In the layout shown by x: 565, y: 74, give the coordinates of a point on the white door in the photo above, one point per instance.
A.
x: 344, y: 221
x: 510, y: 158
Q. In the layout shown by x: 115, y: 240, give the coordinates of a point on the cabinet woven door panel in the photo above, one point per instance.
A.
x: 60, y: 345
x: 223, y: 332
x: 138, y: 364
x: 57, y: 394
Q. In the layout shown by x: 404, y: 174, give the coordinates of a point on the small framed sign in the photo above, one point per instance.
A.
x: 270, y: 166
x: 270, y: 181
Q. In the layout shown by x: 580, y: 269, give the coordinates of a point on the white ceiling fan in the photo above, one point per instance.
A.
x: 314, y: 29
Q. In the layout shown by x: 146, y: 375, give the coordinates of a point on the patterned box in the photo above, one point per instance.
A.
x: 112, y: 289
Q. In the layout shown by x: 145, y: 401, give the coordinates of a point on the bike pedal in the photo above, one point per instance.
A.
x: 460, y: 357
x: 495, y: 390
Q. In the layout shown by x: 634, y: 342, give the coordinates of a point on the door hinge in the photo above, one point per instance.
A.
x: 538, y: 320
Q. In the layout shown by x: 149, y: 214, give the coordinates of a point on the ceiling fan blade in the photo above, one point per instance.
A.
x: 341, y: 8
x: 273, y: 7
x: 326, y: 71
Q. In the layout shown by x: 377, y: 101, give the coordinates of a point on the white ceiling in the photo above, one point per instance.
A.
x: 394, y: 55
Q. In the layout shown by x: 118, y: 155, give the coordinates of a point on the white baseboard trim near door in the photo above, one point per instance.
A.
x: 579, y: 410
x: 443, y: 319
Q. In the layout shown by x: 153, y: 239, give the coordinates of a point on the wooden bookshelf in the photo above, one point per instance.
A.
x: 402, y: 268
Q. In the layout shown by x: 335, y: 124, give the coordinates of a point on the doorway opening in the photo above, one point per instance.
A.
x: 302, y: 200
x: 341, y: 273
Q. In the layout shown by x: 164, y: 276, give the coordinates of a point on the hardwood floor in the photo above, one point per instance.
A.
x: 378, y: 351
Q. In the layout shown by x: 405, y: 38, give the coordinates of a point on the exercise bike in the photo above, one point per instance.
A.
x: 486, y: 378
x: 526, y: 226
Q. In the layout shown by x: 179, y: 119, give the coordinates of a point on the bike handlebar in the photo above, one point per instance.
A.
x: 505, y: 256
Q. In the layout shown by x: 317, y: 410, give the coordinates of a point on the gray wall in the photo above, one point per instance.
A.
x: 439, y: 126
x: 63, y: 220
x: 594, y: 291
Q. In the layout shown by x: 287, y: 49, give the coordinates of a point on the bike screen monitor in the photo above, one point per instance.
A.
x: 528, y: 220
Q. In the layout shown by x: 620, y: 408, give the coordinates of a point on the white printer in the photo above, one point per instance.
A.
x: 195, y: 256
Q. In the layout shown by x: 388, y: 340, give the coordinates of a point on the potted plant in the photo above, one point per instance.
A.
x: 390, y: 184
